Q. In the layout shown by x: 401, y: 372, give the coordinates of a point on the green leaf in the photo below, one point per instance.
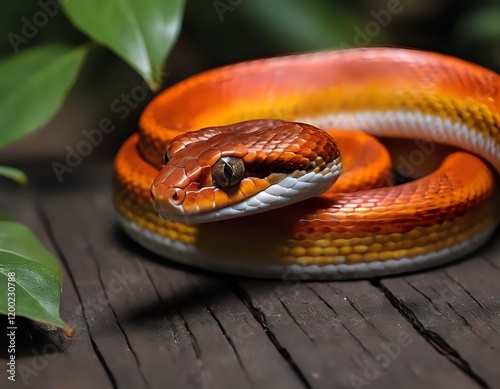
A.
x: 142, y: 33
x: 33, y: 85
x: 14, y: 174
x: 31, y: 273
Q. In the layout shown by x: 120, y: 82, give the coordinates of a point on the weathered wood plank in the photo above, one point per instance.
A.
x: 138, y: 351
x: 457, y: 308
x: 223, y: 359
x: 45, y: 358
x: 69, y: 218
x: 218, y: 360
x: 348, y: 335
x: 261, y: 360
x: 232, y: 347
x: 142, y: 321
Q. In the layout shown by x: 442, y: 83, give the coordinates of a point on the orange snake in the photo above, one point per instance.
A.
x: 360, y: 227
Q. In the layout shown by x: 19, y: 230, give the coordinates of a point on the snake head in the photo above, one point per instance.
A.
x: 249, y: 167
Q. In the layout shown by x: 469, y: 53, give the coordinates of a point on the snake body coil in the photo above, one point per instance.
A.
x: 358, y: 228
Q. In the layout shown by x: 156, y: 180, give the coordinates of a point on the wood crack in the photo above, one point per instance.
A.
x: 229, y: 341
x: 368, y: 322
x: 342, y: 323
x: 431, y: 302
x: 160, y: 298
x: 490, y: 262
x: 433, y: 338
x: 50, y: 233
x: 119, y: 325
x: 287, y: 310
x: 224, y: 333
x: 469, y: 294
x: 260, y: 318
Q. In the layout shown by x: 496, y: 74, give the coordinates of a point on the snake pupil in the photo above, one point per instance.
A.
x: 228, y: 171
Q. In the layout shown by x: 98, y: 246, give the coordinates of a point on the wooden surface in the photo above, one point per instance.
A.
x: 141, y: 321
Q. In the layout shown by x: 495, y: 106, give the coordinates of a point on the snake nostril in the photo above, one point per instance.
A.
x: 163, y: 198
x: 175, y: 195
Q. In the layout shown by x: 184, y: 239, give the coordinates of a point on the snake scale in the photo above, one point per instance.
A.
x: 238, y: 161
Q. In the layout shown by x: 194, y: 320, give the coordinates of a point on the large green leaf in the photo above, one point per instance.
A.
x: 35, y: 276
x: 142, y: 32
x: 14, y: 174
x: 33, y: 85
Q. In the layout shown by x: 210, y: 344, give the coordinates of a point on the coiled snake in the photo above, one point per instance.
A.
x: 274, y: 159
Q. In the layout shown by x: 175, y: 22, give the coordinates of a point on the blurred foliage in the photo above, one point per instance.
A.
x: 217, y: 32
x: 29, y: 102
x: 35, y: 81
x: 141, y: 33
x: 13, y: 174
x: 256, y: 28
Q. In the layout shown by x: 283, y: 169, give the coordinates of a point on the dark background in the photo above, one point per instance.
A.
x: 219, y: 32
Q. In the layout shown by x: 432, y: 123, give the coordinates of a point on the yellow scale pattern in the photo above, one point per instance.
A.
x: 439, y: 91
x: 469, y: 111
x: 419, y: 241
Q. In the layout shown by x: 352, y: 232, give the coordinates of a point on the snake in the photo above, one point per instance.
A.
x: 273, y: 167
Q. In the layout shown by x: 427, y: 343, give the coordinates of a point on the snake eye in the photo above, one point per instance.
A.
x: 228, y: 171
x: 166, y: 156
